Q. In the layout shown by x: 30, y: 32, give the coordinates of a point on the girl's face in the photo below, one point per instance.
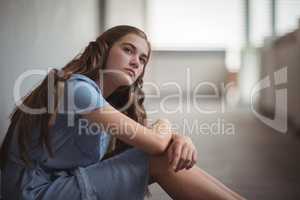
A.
x: 126, y: 59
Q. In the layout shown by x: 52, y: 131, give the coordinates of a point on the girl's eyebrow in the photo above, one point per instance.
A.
x: 134, y: 47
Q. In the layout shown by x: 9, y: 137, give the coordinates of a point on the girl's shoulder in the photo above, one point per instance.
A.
x: 83, y: 94
x: 83, y: 78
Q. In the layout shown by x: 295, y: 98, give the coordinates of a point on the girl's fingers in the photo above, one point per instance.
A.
x: 194, y: 158
x: 189, y: 159
x: 176, y: 155
x: 182, y: 162
x: 170, y: 153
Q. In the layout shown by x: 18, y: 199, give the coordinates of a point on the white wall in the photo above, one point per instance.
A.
x: 131, y: 12
x: 37, y: 34
x: 187, y: 69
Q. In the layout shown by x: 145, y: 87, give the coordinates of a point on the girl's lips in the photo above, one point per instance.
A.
x: 130, y: 72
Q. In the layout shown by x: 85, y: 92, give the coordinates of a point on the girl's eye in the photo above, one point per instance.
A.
x: 143, y: 61
x: 128, y: 50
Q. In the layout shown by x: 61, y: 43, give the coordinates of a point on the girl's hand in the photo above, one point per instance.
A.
x: 182, y: 153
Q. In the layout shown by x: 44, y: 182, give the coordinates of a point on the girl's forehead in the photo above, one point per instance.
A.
x: 135, y: 40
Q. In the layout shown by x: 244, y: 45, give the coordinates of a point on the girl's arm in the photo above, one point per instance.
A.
x: 129, y: 131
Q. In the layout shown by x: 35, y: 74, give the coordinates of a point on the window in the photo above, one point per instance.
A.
x: 288, y: 14
x: 260, y: 21
x: 195, y: 23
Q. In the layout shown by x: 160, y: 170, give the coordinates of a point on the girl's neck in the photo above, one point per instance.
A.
x: 107, y: 86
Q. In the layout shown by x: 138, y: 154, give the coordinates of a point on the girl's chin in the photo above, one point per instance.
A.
x: 120, y: 79
x: 125, y: 80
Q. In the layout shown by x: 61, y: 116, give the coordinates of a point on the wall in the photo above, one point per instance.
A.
x: 130, y: 12
x: 186, y: 69
x: 38, y: 34
x: 283, y: 52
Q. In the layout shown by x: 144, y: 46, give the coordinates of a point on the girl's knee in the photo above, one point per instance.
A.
x: 159, y: 165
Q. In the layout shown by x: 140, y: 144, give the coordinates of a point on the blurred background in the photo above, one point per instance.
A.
x: 230, y: 65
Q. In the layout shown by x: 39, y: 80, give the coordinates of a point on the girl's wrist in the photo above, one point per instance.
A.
x: 162, y: 126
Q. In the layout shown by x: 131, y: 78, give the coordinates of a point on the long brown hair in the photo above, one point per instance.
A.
x: 89, y: 63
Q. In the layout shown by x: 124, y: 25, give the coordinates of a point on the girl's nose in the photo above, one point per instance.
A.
x: 134, y: 62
